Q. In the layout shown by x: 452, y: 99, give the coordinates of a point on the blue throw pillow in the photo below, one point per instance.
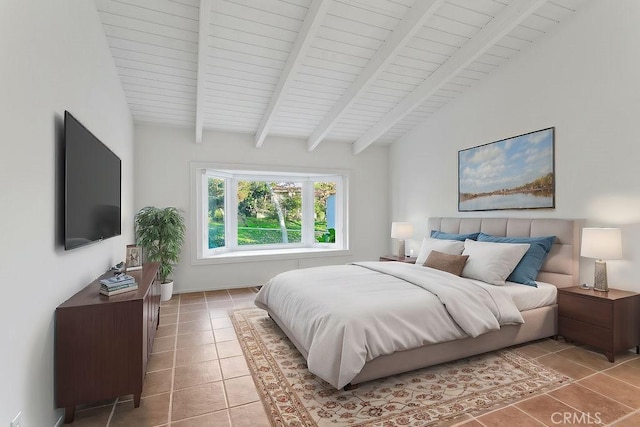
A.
x: 526, y: 272
x: 451, y: 236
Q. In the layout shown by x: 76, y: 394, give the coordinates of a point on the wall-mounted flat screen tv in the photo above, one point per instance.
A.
x: 92, y: 187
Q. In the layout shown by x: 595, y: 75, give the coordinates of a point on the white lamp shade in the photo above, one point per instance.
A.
x: 401, y: 230
x: 601, y: 243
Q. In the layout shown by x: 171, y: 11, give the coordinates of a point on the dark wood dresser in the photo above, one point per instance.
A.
x: 102, y: 343
x: 609, y: 321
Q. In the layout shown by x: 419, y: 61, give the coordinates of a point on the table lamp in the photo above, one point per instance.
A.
x: 602, y: 244
x: 401, y: 231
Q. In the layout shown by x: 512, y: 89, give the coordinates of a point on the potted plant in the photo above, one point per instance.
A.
x: 160, y: 232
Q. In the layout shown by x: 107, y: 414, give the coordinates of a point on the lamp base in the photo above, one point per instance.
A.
x: 401, y: 252
x: 600, y: 277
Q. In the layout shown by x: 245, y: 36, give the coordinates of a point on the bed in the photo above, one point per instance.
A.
x: 375, y: 341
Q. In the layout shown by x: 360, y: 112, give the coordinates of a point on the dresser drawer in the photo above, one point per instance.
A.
x: 589, y: 310
x: 585, y: 333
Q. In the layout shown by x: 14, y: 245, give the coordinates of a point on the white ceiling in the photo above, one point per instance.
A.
x: 359, y: 71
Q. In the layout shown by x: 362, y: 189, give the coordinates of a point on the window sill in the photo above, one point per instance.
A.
x: 270, y: 255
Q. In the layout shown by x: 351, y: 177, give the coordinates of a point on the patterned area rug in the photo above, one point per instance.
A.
x: 294, y: 397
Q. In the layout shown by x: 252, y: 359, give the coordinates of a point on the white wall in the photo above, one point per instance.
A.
x: 53, y: 56
x: 162, y: 179
x: 583, y: 79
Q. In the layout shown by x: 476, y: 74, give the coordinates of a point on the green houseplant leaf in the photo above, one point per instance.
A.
x: 160, y: 232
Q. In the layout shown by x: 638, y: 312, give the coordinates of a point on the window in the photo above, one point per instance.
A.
x: 244, y: 212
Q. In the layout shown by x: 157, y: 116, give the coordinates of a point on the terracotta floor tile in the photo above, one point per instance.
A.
x: 125, y: 398
x: 217, y: 296
x: 175, y: 300
x: 251, y: 415
x: 93, y: 417
x: 532, y: 351
x: 196, y: 374
x: 228, y: 349
x: 245, y: 295
x: 614, y: 389
x: 234, y: 367
x: 592, y: 359
x: 189, y: 308
x: 630, y: 421
x: 201, y: 353
x: 168, y: 319
x: 241, y: 390
x: 215, y: 419
x: 634, y: 362
x: 168, y: 309
x: 221, y: 323
x: 462, y: 419
x: 591, y: 403
x: 158, y: 361
x: 153, y: 411
x: 225, y: 334
x: 509, y: 416
x: 195, y: 326
x: 198, y: 400
x: 546, y: 409
x: 157, y: 382
x: 626, y: 372
x: 193, y: 316
x: 98, y: 404
x: 470, y: 423
x: 163, y: 344
x: 552, y: 345
x: 240, y: 292
x: 195, y: 299
x: 166, y: 330
x: 190, y: 295
x: 218, y: 312
x: 244, y: 303
x: 195, y: 338
x: 565, y: 366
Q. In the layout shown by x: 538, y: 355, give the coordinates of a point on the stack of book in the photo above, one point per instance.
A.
x: 117, y: 284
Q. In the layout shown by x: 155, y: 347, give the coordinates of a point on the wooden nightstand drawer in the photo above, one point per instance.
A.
x: 589, y: 310
x: 586, y: 333
x: 407, y: 259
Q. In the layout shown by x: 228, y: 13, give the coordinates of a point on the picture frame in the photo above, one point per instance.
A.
x: 133, y: 259
x: 512, y: 173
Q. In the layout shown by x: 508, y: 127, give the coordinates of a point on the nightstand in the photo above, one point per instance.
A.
x: 407, y: 259
x: 607, y: 320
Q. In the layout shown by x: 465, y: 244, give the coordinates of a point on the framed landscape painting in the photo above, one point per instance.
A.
x: 513, y: 173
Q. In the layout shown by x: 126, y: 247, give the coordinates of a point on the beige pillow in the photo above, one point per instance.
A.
x: 453, y: 264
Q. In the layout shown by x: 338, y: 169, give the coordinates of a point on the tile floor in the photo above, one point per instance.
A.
x: 197, y: 376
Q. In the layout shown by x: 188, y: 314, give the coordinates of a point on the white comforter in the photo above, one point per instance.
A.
x: 346, y: 315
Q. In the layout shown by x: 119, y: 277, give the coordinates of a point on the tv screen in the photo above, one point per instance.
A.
x: 92, y: 187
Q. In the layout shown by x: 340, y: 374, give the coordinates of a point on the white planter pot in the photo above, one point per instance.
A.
x: 166, y: 291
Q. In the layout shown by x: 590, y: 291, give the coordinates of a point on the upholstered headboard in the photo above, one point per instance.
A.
x: 561, y: 266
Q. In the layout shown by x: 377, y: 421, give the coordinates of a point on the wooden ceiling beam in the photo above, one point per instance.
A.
x: 313, y: 19
x: 512, y: 16
x: 412, y: 22
x: 203, y: 44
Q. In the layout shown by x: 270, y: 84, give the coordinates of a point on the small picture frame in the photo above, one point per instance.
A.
x: 133, y: 260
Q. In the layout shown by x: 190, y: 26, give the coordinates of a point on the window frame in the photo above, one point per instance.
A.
x: 232, y: 252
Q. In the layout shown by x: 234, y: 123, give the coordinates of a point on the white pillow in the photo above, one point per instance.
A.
x: 453, y: 247
x: 492, y: 262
